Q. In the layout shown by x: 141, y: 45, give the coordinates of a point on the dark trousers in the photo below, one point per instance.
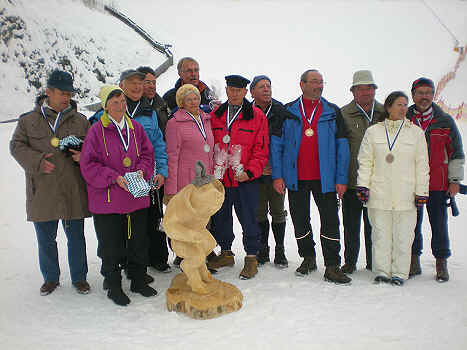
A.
x: 244, y: 199
x: 299, y: 206
x: 438, y: 216
x: 122, y: 238
x: 158, y: 251
x: 352, y: 210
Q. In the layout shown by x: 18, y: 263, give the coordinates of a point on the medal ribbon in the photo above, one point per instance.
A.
x: 200, y: 124
x: 122, y: 139
x: 57, y: 120
x: 391, y: 144
x: 368, y: 117
x: 427, y: 125
x: 310, y: 120
x: 230, y: 122
x: 134, y: 111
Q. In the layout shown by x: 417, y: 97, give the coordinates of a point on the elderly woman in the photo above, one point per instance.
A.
x: 189, y: 138
x: 114, y: 146
x: 393, y: 177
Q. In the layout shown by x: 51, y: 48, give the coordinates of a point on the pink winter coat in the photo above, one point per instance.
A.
x: 185, y: 145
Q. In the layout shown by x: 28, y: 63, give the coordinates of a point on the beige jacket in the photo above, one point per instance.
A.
x: 393, y: 186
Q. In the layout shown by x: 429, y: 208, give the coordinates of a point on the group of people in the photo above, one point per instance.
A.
x: 384, y: 161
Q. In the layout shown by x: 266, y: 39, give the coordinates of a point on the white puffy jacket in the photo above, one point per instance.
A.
x: 393, y: 186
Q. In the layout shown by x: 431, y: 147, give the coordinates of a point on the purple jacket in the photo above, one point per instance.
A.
x: 102, y: 162
x: 186, y: 145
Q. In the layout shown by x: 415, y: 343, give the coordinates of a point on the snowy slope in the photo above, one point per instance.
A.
x: 280, y: 311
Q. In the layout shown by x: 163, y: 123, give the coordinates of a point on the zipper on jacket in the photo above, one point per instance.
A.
x: 108, y: 195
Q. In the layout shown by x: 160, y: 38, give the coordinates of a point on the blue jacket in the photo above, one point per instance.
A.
x: 148, y: 119
x: 333, y: 148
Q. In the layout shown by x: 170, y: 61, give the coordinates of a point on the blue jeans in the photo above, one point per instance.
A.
x: 46, y: 232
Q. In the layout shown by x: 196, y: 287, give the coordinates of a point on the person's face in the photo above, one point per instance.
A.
x: 149, y: 86
x: 191, y: 103
x: 423, y: 97
x: 116, y: 107
x: 262, y: 92
x: 57, y: 99
x: 398, y: 110
x: 312, y: 88
x: 364, y: 94
x: 189, y: 73
x: 133, y: 88
x: 235, y: 95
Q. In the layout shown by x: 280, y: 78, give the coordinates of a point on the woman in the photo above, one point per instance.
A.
x: 114, y: 146
x: 393, y: 177
x: 189, y: 138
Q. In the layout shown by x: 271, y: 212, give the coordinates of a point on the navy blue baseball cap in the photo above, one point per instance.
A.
x: 61, y: 80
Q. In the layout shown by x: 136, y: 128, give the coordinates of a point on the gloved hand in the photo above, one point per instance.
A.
x: 420, y: 201
x: 363, y: 193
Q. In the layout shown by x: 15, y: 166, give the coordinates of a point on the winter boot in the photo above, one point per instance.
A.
x: 397, y: 281
x: 250, y: 269
x: 415, y: 268
x: 308, y: 265
x: 442, y: 274
x: 138, y: 282
x: 263, y: 254
x: 225, y: 258
x: 335, y: 274
x: 280, y: 261
x: 349, y: 268
x: 382, y: 279
x: 115, y: 292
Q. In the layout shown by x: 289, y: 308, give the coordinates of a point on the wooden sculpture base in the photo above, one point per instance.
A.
x: 222, y: 298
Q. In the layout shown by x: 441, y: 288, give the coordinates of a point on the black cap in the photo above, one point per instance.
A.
x: 423, y: 82
x: 60, y: 80
x: 236, y: 81
x: 131, y: 72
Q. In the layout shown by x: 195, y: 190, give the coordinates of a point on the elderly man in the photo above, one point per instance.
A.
x: 240, y: 130
x: 188, y: 71
x: 310, y: 154
x: 446, y: 171
x: 158, y: 251
x: 358, y: 115
x: 269, y: 200
x: 55, y: 189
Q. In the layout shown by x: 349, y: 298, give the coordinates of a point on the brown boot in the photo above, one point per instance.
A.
x: 308, y: 264
x: 442, y: 274
x: 250, y: 269
x: 335, y: 274
x: 225, y: 258
x: 415, y: 268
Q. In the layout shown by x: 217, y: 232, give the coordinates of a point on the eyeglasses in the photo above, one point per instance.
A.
x: 315, y: 82
x: 149, y: 82
x: 426, y: 93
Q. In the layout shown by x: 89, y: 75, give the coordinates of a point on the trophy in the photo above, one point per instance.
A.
x: 235, y: 158
x: 220, y: 160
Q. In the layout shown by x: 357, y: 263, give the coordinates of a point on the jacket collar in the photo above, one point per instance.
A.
x: 355, y: 112
x: 105, y: 120
x: 201, y: 86
x: 294, y: 108
x: 247, y: 109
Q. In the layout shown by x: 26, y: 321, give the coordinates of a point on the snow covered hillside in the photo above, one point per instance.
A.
x: 399, y: 40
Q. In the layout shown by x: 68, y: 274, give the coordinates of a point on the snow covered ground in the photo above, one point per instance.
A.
x: 398, y: 40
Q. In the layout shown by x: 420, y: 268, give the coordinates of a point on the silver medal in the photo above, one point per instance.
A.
x: 207, y: 148
x: 226, y: 139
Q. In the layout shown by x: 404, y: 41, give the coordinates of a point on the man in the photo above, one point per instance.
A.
x: 238, y: 123
x: 158, y: 251
x: 269, y: 200
x: 446, y: 171
x: 309, y: 153
x: 188, y: 71
x: 55, y: 189
x: 358, y: 115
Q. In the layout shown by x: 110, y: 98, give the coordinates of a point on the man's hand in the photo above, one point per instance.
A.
x: 46, y: 166
x: 340, y: 189
x: 158, y: 181
x: 453, y: 189
x: 279, y: 185
x: 76, y: 156
x: 122, y: 183
x: 242, y: 177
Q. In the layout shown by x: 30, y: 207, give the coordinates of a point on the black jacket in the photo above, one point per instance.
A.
x: 206, y: 96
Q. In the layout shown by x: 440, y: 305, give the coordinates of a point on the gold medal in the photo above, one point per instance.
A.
x: 390, y: 158
x: 126, y: 162
x: 54, y: 141
x: 309, y: 132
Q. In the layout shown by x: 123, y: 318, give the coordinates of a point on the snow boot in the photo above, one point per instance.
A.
x: 415, y: 268
x: 225, y: 258
x: 308, y: 265
x: 250, y: 269
x: 263, y: 254
x: 397, y: 281
x: 138, y: 282
x: 442, y: 274
x: 382, y: 279
x: 349, y: 268
x: 115, y: 292
x: 335, y: 274
x: 280, y: 261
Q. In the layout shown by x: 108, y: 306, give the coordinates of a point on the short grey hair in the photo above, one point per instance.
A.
x: 183, y: 60
x: 305, y: 74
